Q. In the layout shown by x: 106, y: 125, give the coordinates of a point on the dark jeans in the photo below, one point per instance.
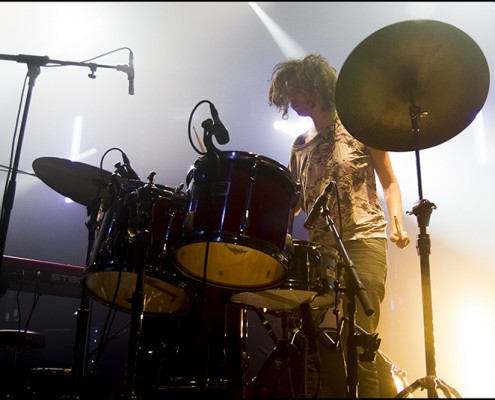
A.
x: 369, y: 257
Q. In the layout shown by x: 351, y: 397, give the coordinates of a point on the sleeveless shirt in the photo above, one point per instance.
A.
x: 335, y: 155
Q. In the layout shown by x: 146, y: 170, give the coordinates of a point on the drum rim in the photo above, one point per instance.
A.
x: 313, y: 244
x: 250, y: 155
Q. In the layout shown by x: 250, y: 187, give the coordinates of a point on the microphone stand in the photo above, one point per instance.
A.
x: 354, y: 288
x: 33, y: 63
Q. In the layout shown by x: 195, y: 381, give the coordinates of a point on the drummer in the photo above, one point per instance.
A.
x: 326, y: 153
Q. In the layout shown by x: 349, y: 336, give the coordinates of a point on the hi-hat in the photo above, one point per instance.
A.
x: 428, y: 64
x: 80, y: 182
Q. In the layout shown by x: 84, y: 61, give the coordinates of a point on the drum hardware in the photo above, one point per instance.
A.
x: 94, y: 188
x: 354, y: 288
x: 310, y: 270
x: 302, y: 355
x: 286, y: 362
x: 141, y: 205
x: 111, y: 274
x: 79, y: 363
x: 141, y: 241
x: 393, y: 380
x: 442, y: 79
x: 202, y: 354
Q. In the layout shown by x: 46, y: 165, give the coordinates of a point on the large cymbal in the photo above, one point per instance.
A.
x: 430, y: 64
x: 80, y: 182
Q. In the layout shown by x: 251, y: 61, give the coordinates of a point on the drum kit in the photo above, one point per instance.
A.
x: 197, y: 260
x: 185, y: 252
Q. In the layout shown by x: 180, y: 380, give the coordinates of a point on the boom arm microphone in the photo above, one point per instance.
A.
x: 130, y: 73
x: 219, y: 129
x: 319, y: 203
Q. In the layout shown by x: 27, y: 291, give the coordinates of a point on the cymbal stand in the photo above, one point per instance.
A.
x: 82, y: 323
x: 147, y: 196
x: 79, y: 361
x: 354, y: 287
x: 422, y: 210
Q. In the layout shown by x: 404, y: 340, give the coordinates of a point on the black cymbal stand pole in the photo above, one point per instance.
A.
x: 423, y: 209
x: 79, y: 358
x: 147, y: 196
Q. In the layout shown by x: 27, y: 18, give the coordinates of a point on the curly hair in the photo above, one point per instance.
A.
x: 312, y: 73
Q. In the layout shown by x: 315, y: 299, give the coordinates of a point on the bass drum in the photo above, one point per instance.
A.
x: 282, y: 375
x: 310, y: 278
x: 135, y: 234
x: 239, y: 221
x: 201, y: 354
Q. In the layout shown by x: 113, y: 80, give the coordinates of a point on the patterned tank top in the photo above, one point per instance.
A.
x: 335, y: 155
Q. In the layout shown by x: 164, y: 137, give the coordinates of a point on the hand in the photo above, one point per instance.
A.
x: 398, y: 236
x: 401, y: 239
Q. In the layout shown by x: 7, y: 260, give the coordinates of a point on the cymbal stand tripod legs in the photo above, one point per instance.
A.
x: 423, y: 209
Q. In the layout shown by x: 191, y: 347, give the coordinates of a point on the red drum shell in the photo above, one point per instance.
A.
x: 116, y: 259
x: 239, y: 221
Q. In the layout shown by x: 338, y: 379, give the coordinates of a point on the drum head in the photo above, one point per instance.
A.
x: 116, y: 288
x: 231, y: 265
x: 309, y: 280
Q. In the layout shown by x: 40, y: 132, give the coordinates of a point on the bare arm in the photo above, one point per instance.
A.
x: 393, y: 197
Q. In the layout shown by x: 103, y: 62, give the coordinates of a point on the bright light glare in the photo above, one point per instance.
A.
x: 485, y: 148
x: 478, y: 365
x: 75, y: 149
x: 294, y: 129
x: 289, y: 47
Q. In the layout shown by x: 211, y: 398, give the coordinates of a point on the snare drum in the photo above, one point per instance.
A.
x: 239, y: 221
x: 310, y: 279
x: 135, y: 233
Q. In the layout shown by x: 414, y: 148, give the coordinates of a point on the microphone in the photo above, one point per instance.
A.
x: 320, y: 202
x: 130, y: 73
x: 221, y: 133
x: 131, y: 174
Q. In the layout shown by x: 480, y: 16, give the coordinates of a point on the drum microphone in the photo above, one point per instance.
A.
x: 320, y: 202
x: 131, y: 174
x: 219, y: 130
